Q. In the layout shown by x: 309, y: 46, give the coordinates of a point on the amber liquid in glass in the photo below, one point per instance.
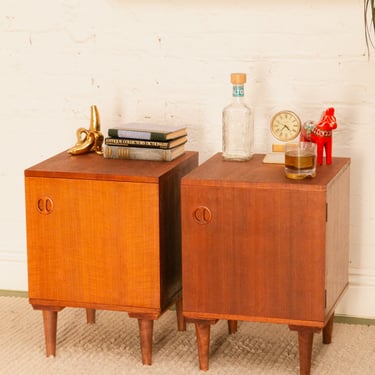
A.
x: 299, y: 164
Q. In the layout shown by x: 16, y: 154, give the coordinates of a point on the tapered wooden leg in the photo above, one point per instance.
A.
x: 90, y: 316
x: 327, y: 330
x: 181, y: 322
x: 305, y: 343
x: 232, y: 326
x: 50, y: 330
x: 146, y: 327
x: 202, y: 330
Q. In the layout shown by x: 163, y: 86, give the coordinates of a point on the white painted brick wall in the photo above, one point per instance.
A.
x: 169, y: 61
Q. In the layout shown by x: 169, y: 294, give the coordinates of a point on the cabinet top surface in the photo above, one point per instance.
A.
x: 93, y: 166
x: 217, y: 172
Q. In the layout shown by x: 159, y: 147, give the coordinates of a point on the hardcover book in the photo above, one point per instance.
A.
x: 152, y: 132
x: 145, y: 143
x: 142, y: 153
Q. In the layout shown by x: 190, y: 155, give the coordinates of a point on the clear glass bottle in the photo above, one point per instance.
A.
x: 238, y: 124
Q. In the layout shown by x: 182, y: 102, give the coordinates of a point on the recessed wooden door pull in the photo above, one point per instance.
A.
x: 202, y: 215
x: 45, y: 205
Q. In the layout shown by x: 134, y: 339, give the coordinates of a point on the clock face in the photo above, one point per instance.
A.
x: 285, y: 126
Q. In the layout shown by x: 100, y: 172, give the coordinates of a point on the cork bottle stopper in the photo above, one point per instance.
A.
x: 238, y: 78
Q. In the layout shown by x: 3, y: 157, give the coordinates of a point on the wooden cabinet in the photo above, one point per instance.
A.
x: 105, y: 234
x: 259, y: 247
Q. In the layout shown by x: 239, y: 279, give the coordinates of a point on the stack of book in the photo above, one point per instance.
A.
x: 139, y: 141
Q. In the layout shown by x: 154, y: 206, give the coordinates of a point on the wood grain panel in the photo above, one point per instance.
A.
x: 267, y: 251
x: 92, y: 247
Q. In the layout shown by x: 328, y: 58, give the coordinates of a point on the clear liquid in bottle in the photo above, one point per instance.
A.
x: 238, y: 125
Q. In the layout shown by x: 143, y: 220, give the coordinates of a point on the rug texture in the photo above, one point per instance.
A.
x: 111, y: 346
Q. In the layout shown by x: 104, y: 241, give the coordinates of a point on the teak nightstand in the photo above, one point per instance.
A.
x: 105, y: 234
x: 264, y: 248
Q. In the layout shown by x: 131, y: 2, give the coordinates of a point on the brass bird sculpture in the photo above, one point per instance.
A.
x: 91, y: 139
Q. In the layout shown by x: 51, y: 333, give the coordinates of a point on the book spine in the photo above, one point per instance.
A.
x: 134, y: 134
x: 136, y: 142
x: 135, y: 153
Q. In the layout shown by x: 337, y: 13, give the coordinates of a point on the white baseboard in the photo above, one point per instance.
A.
x: 358, y: 301
x: 13, y: 272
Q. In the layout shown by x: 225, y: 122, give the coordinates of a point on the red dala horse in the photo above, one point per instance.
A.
x: 321, y: 134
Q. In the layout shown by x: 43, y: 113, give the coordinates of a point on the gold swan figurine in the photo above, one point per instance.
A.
x: 91, y: 139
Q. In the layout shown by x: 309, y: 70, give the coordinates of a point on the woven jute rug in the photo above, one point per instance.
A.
x: 111, y: 346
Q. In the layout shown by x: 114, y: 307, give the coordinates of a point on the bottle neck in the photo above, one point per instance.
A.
x: 238, y: 91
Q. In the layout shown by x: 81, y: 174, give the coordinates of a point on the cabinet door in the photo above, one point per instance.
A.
x: 253, y: 252
x: 93, y: 242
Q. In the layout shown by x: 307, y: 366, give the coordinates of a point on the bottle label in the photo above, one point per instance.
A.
x: 238, y: 91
